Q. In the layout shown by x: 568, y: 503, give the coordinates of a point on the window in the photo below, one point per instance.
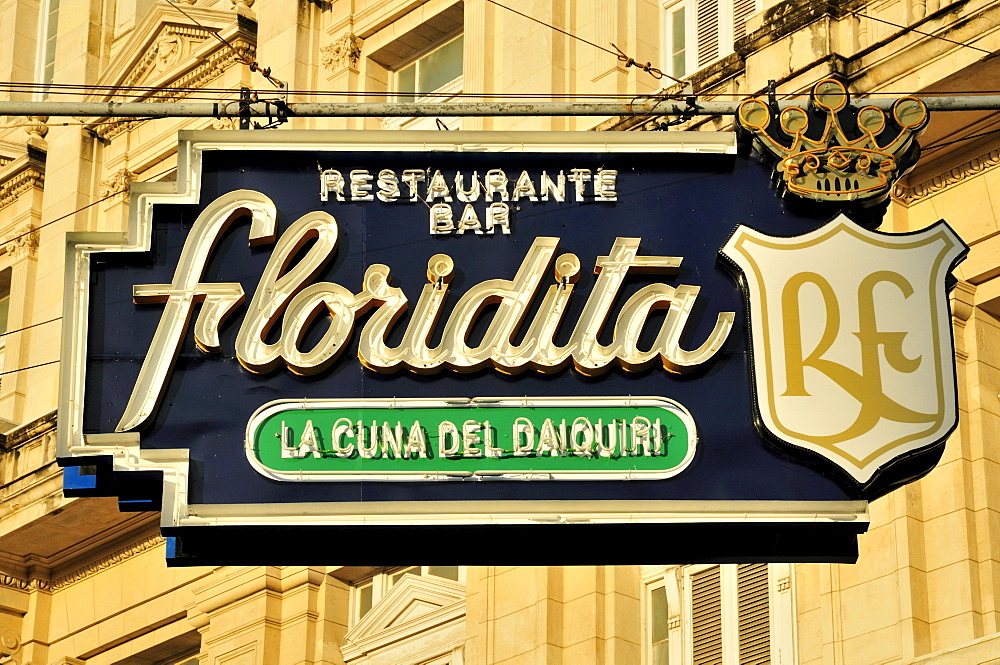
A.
x: 4, y: 300
x: 366, y: 593
x: 4, y: 312
x: 434, y: 76
x: 659, y: 617
x: 733, y: 614
x: 45, y: 61
x: 434, y: 73
x: 677, y: 41
x: 699, y: 32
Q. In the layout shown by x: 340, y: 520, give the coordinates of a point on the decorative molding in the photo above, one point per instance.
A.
x: 175, y: 56
x: 113, y: 559
x: 21, y: 175
x: 12, y: 188
x: 12, y: 582
x: 117, y: 183
x: 963, y: 298
x: 22, y: 244
x: 344, y: 52
x: 36, y: 429
x: 784, y: 584
x: 36, y: 129
x: 413, y: 607
x: 907, y: 196
x: 963, y: 304
x: 80, y: 574
x: 208, y: 70
x: 173, y: 43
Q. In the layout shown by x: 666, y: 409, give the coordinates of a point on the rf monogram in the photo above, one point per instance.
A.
x: 866, y: 387
x: 851, y: 341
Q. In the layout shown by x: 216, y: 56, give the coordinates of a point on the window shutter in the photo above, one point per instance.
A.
x: 742, y: 10
x: 754, y: 614
x: 706, y: 615
x: 708, y: 31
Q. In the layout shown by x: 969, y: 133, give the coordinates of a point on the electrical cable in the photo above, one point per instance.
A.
x: 935, y: 146
x: 22, y: 369
x: 909, y: 29
x: 212, y: 93
x: 33, y: 325
x: 618, y: 53
x: 78, y: 210
x: 242, y: 57
x: 34, y: 230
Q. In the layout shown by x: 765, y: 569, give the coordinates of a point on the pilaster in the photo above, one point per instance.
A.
x: 265, y: 615
x: 479, y: 56
x: 341, y: 61
x: 22, y: 253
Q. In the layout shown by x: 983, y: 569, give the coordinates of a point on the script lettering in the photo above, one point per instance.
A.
x: 287, y: 300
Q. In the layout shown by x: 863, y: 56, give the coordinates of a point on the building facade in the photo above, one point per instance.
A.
x: 81, y: 582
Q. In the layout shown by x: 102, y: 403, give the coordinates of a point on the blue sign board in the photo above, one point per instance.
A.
x: 542, y: 342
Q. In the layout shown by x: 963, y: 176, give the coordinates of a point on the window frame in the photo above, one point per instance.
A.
x: 445, y: 93
x: 381, y: 583
x: 431, y: 95
x: 47, y: 31
x: 670, y: 7
x: 677, y: 581
x: 725, y: 29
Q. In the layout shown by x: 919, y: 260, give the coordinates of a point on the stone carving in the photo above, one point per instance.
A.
x: 168, y: 51
x: 225, y: 123
x: 17, y: 184
x: 345, y: 52
x: 22, y: 244
x: 36, y: 129
x: 242, y: 7
x: 118, y: 183
x: 10, y: 644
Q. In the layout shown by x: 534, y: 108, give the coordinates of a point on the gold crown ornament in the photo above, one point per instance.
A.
x: 832, y: 152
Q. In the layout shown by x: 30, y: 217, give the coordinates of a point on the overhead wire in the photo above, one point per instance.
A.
x: 241, y: 56
x: 213, y: 93
x: 23, y: 369
x: 35, y: 230
x: 207, y: 93
x: 617, y: 53
x: 33, y: 325
x: 942, y: 144
x: 81, y: 209
x: 909, y: 29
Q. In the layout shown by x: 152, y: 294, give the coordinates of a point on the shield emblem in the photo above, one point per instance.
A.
x: 850, y: 331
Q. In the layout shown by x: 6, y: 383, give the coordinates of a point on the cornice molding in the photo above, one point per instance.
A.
x: 207, y: 70
x: 22, y: 174
x: 36, y: 429
x: 189, y: 59
x: 63, y: 581
x: 908, y: 195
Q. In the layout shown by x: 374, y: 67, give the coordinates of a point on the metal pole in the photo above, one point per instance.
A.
x: 263, y: 109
